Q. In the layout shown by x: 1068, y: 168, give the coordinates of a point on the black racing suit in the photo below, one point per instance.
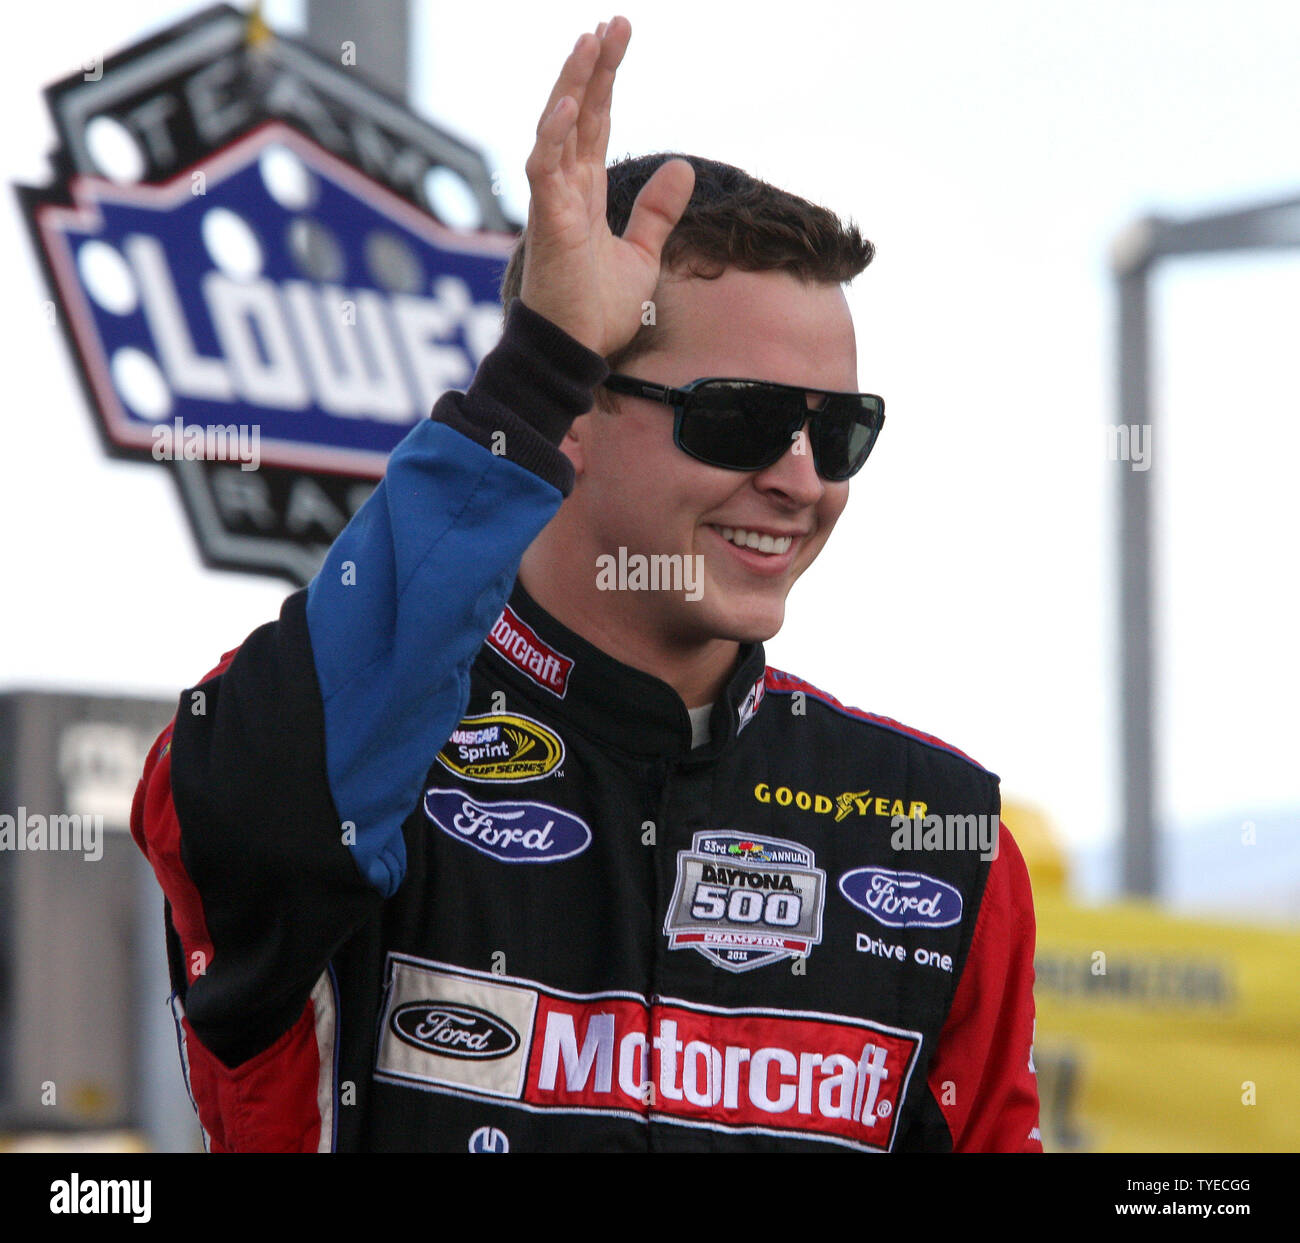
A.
x: 441, y: 875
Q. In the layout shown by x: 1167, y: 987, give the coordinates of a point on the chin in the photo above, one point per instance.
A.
x: 749, y: 622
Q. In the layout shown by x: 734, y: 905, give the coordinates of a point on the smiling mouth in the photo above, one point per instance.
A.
x: 773, y: 545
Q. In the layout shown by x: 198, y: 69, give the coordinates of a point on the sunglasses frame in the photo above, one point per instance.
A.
x: 679, y: 399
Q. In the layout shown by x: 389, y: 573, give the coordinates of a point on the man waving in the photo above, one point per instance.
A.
x: 504, y: 835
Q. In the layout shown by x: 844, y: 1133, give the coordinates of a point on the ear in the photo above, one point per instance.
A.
x: 574, y: 444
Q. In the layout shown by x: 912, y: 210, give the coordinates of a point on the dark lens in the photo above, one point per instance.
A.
x: 736, y: 424
x: 844, y: 433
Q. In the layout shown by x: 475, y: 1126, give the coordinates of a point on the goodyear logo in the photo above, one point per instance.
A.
x: 502, y: 746
x: 846, y: 804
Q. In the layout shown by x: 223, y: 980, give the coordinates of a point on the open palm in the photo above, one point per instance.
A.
x: 576, y: 272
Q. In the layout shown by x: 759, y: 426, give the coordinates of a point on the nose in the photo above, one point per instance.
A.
x: 794, y: 474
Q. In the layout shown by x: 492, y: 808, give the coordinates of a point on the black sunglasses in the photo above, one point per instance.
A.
x: 749, y: 424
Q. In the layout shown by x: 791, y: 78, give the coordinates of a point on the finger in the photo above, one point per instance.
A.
x: 593, y: 119
x: 659, y: 207
x: 595, y: 144
x: 552, y: 133
x: 574, y: 75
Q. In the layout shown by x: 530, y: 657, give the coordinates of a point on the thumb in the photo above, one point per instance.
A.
x: 659, y: 206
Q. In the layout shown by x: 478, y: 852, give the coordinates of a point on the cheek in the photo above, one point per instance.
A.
x: 639, y: 485
x: 829, y: 509
x: 635, y: 466
x: 629, y: 450
x: 832, y: 506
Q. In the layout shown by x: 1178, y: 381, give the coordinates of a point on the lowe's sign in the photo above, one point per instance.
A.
x: 247, y: 256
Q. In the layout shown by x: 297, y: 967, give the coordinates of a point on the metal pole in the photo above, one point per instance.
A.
x: 1268, y: 225
x: 1136, y: 640
x: 372, y: 35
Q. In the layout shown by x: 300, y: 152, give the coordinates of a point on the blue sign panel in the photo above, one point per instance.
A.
x: 277, y: 288
x: 255, y: 258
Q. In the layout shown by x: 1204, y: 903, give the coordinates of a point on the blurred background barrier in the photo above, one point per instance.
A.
x: 87, y: 1045
x: 1155, y: 1032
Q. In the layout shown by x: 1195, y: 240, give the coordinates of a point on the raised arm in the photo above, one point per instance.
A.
x: 271, y: 809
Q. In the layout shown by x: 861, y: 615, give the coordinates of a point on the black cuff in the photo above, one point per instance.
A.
x: 529, y: 388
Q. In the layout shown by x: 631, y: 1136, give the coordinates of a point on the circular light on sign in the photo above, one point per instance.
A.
x: 287, y: 179
x: 393, y: 264
x: 315, y: 251
x: 108, y: 277
x: 140, y: 383
x: 232, y: 245
x: 452, y: 199
x: 114, y: 149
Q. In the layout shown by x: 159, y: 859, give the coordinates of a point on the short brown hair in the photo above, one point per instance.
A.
x: 732, y: 220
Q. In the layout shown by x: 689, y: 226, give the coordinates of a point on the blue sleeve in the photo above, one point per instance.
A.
x: 397, y: 614
x: 410, y: 589
x: 334, y: 712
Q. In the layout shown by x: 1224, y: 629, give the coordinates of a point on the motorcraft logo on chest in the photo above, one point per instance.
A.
x: 745, y: 901
x: 513, y: 832
x: 267, y: 271
x: 502, y: 746
x: 536, y: 659
x: 902, y: 899
x: 800, y: 1074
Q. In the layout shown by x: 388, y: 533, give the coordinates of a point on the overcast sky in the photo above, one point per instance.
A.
x: 992, y: 152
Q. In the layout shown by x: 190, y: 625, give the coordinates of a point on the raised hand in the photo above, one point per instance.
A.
x: 576, y: 272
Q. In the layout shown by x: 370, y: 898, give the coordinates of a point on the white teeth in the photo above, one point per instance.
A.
x: 752, y: 539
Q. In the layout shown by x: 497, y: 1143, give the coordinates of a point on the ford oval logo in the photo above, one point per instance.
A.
x: 514, y: 832
x: 453, y: 1029
x: 902, y: 899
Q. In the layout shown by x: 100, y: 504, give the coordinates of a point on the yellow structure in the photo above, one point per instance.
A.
x: 1157, y: 1033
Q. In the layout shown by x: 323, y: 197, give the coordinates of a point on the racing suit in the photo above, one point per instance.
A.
x: 441, y: 875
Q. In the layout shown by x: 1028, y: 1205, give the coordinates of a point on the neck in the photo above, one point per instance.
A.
x: 626, y: 625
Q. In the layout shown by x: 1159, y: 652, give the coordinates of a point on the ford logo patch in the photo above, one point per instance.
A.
x: 902, y: 899
x: 454, y: 1029
x: 514, y: 832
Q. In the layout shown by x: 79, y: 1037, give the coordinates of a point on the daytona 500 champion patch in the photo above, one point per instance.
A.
x: 746, y: 901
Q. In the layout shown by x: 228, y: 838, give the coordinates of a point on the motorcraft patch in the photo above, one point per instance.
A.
x: 745, y: 901
x: 800, y: 1074
x: 514, y: 832
x: 536, y: 659
x: 902, y: 899
x: 502, y: 746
